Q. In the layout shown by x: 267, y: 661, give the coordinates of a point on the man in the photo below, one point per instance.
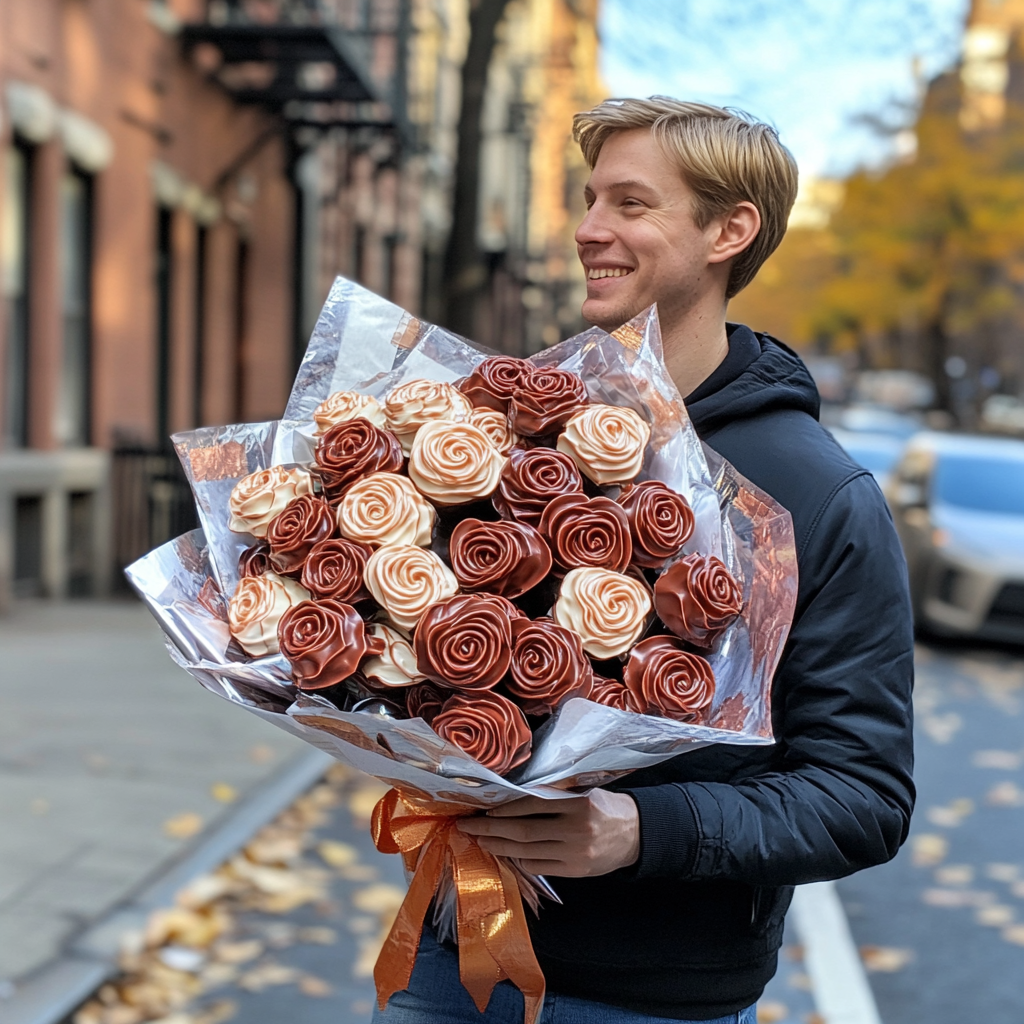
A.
x: 675, y: 880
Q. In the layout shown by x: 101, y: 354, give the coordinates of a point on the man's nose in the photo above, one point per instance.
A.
x: 594, y: 228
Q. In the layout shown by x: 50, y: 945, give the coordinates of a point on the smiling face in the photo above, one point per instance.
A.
x: 639, y: 243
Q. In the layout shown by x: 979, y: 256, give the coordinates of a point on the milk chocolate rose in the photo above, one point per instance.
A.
x: 496, y: 426
x: 608, y: 610
x: 384, y: 508
x: 334, y: 569
x: 425, y: 700
x: 256, y: 609
x: 406, y: 580
x: 611, y: 693
x: 324, y: 641
x: 417, y: 402
x: 396, y: 664
x: 464, y: 642
x: 660, y: 522
x: 505, y: 558
x: 548, y: 666
x: 665, y: 679
x: 697, y: 599
x: 493, y: 383
x: 486, y: 726
x: 305, y: 522
x: 544, y: 400
x: 587, y: 531
x: 454, y: 463
x: 257, y: 498
x: 530, y: 480
x: 343, y: 406
x: 255, y: 560
x: 606, y: 442
x: 354, y: 449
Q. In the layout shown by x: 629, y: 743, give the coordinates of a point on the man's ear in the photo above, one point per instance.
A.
x: 736, y: 230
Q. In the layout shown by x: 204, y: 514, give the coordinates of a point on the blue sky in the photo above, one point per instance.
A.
x: 810, y: 67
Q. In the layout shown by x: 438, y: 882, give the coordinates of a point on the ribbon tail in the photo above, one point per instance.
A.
x: 509, y: 931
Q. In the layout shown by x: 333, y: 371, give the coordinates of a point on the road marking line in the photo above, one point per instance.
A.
x: 841, y: 990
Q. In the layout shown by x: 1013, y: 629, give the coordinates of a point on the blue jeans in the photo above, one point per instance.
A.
x: 436, y: 996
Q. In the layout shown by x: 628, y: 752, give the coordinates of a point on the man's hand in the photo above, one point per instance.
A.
x: 590, y: 835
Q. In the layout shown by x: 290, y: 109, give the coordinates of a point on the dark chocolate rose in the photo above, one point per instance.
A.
x: 584, y: 531
x: 304, y: 522
x: 486, y: 726
x: 697, y: 599
x: 660, y: 522
x: 334, y: 569
x: 611, y: 693
x: 464, y: 642
x: 353, y: 449
x: 665, y: 679
x: 425, y: 700
x: 548, y: 666
x: 531, y: 479
x: 544, y: 400
x: 324, y: 641
x: 492, y: 384
x: 505, y: 558
x: 254, y: 561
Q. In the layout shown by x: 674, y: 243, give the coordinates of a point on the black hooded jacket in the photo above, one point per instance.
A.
x: 692, y: 930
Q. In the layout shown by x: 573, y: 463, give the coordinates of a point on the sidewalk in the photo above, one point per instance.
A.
x: 111, y: 760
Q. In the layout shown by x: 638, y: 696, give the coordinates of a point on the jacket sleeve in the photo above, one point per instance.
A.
x: 840, y: 795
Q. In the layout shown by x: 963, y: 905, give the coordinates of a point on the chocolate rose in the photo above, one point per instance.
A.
x: 544, y: 400
x: 334, y: 569
x: 606, y: 442
x: 417, y: 402
x: 343, y: 406
x: 425, y: 700
x: 354, y: 449
x: 454, y: 463
x: 464, y: 642
x: 505, y: 558
x: 530, y: 480
x: 406, y: 580
x: 396, y: 664
x: 496, y: 426
x: 492, y: 384
x: 255, y: 560
x: 587, y: 531
x: 257, y: 498
x: 324, y: 641
x: 256, y: 609
x: 385, y: 508
x: 612, y: 694
x: 697, y: 599
x: 511, y: 610
x: 305, y: 522
x: 548, y: 666
x: 668, y: 680
x: 607, y: 609
x: 486, y: 726
x: 660, y: 522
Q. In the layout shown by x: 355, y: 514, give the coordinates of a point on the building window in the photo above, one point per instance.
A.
x: 14, y: 280
x: 163, y: 270
x: 199, y: 353
x: 76, y: 294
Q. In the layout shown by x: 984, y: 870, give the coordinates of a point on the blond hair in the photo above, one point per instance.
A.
x: 724, y: 156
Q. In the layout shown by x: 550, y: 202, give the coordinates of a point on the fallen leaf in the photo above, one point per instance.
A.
x: 268, y: 974
x: 887, y: 959
x: 237, y: 952
x: 183, y: 826
x: 378, y: 899
x: 928, y: 850
x: 219, y: 1012
x: 1003, y: 760
x: 1014, y: 934
x: 337, y: 855
x: 359, y: 873
x: 950, y: 899
x: 997, y: 915
x: 942, y: 728
x: 317, y: 935
x: 1018, y: 890
x: 202, y: 891
x: 223, y: 793
x: 215, y: 975
x: 771, y: 1013
x: 801, y: 981
x: 359, y: 925
x: 274, y: 849
x: 1005, y: 794
x: 182, y: 958
x: 261, y: 754
x: 310, y: 985
x: 955, y: 874
x: 1002, y: 872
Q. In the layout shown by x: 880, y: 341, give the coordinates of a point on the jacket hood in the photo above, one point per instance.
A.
x: 776, y: 380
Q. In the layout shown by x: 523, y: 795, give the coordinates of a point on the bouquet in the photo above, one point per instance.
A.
x: 477, y: 577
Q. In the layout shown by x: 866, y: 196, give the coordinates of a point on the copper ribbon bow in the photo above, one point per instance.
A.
x: 494, y: 942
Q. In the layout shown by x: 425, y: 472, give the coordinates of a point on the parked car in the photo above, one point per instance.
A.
x: 878, y: 453
x: 958, y: 503
x: 877, y: 419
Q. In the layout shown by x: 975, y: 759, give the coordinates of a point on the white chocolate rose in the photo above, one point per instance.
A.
x: 496, y: 426
x: 259, y: 497
x: 406, y: 580
x: 397, y: 665
x: 410, y: 405
x: 608, y: 610
x: 606, y: 442
x: 453, y: 463
x: 256, y: 609
x: 385, y: 508
x: 343, y: 406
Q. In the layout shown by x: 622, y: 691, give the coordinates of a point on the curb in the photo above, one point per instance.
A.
x: 54, y: 991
